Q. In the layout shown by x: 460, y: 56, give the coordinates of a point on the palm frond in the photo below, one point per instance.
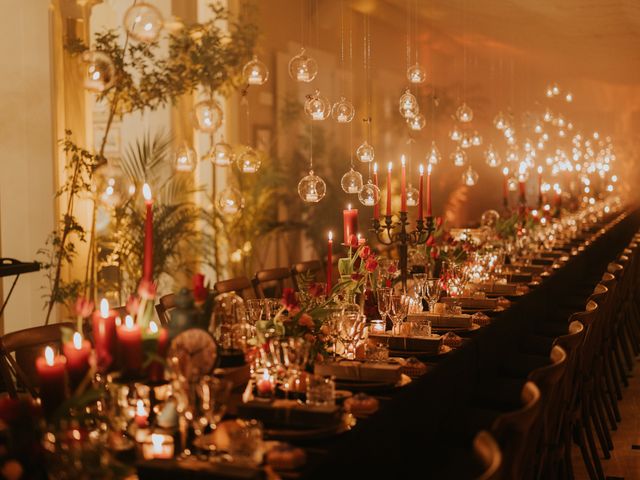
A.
x: 142, y: 159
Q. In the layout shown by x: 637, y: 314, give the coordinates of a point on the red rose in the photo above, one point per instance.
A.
x: 371, y: 264
x: 200, y: 292
x: 133, y: 304
x: 392, y: 268
x: 353, y: 241
x: 290, y: 300
x: 431, y: 241
x: 84, y: 307
x: 147, y: 289
x: 365, y: 252
x: 316, y: 289
x: 438, y: 222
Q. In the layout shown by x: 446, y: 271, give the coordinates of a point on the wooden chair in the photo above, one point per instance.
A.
x: 488, y: 455
x: 18, y: 353
x: 312, y: 268
x: 165, y: 304
x: 241, y: 286
x: 512, y: 429
x: 271, y: 282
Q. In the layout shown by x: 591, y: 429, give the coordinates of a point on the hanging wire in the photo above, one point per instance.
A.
x: 310, y: 146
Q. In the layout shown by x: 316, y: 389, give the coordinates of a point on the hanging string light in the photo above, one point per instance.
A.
x: 343, y: 110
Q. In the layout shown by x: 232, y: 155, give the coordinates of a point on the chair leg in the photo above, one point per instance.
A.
x: 618, y: 362
x: 611, y: 394
x: 580, y: 440
x: 601, y: 425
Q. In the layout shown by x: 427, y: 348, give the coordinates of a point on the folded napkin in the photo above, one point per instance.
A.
x: 359, y: 371
x: 498, y: 288
x: 519, y: 277
x: 471, y: 302
x: 429, y: 344
x: 448, y: 320
x: 282, y: 413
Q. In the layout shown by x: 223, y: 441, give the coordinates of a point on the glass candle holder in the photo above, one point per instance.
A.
x: 265, y: 383
x: 158, y: 446
x: 377, y: 326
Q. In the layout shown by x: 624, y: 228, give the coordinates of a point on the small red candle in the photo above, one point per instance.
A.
x: 51, y: 372
x: 77, y: 354
x: 389, y: 189
x: 376, y: 207
x: 264, y: 385
x: 156, y: 368
x: 142, y: 416
x: 505, y: 187
x: 148, y: 234
x: 104, y: 335
x: 403, y: 186
x: 539, y: 185
x: 130, y: 347
x: 329, y: 262
x: 350, y: 223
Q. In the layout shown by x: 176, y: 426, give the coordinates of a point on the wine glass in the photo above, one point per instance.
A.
x: 432, y: 292
x: 295, y: 356
x: 383, y: 302
x: 399, y: 308
x: 255, y: 309
x: 333, y: 324
x: 351, y: 328
x: 419, y: 286
x: 211, y: 399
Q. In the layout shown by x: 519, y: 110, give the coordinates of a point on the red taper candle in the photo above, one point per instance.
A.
x: 51, y: 372
x: 403, y: 185
x: 329, y: 261
x: 376, y: 207
x: 389, y: 189
x: 77, y: 354
x: 505, y: 186
x: 104, y: 335
x: 148, y: 234
x: 130, y: 347
x: 350, y: 223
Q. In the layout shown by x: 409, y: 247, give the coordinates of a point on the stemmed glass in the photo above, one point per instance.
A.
x: 383, y: 302
x: 419, y: 286
x: 255, y: 309
x: 211, y: 400
x: 351, y: 328
x: 295, y: 356
x: 333, y: 324
x: 399, y: 308
x: 432, y: 292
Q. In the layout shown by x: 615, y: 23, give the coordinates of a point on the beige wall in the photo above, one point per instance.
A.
x: 26, y: 151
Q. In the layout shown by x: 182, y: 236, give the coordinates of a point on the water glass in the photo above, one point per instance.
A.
x: 245, y: 445
x: 321, y: 391
x: 432, y: 291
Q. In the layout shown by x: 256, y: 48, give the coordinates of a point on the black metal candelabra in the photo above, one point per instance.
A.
x: 397, y: 233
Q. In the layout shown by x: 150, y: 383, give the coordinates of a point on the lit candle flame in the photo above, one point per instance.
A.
x: 330, y: 236
x: 48, y: 356
x: 104, y: 308
x: 403, y: 160
x: 140, y: 410
x: 153, y: 327
x: 265, y: 374
x: 156, y: 442
x: 539, y: 169
x: 421, y: 168
x: 77, y: 340
x: 429, y: 169
x: 390, y: 166
x: 505, y: 171
x: 146, y: 192
x: 128, y: 321
x: 375, y: 167
x: 348, y: 206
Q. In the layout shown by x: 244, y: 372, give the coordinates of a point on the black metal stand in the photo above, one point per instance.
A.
x: 397, y: 233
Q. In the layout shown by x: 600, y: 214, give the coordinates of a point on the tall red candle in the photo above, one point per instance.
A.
x: 505, y: 187
x: 421, y: 193
x: 329, y: 262
x: 77, y: 354
x: 376, y: 207
x: 148, y: 234
x: 130, y: 347
x: 403, y: 186
x: 523, y: 190
x: 51, y: 372
x: 104, y: 335
x: 350, y: 223
x: 539, y: 186
x: 156, y: 368
x: 389, y: 189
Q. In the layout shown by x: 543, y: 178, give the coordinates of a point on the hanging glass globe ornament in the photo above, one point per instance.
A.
x: 489, y: 219
x: 512, y: 156
x: 221, y: 154
x: 417, y: 122
x: 549, y: 92
x: 343, y: 111
x: 229, y: 201
x: 255, y: 72
x: 408, y: 105
x: 455, y: 134
x: 416, y: 74
x: 207, y: 116
x: 303, y: 68
x: 500, y: 121
x: 511, y: 141
x: 365, y: 152
x: 527, y: 145
x: 249, y: 161
x: 369, y: 195
x: 548, y: 116
x: 555, y: 89
x: 99, y: 72
x: 413, y: 196
x: 512, y: 184
x: 464, y: 113
x: 470, y: 177
x: 312, y: 188
x: 523, y: 172
x: 185, y: 160
x: 459, y: 158
x: 476, y: 139
x: 351, y: 181
x: 491, y: 157
x: 569, y: 97
x: 317, y: 106
x: 143, y: 22
x: 538, y: 127
x: 466, y: 141
x: 433, y: 156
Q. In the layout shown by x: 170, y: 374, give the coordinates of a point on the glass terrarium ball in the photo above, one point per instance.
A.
x: 491, y: 157
x: 99, y: 72
x: 369, y: 195
x: 408, y: 105
x: 434, y: 156
x: 500, y: 121
x: 207, y: 115
x: 476, y: 139
x: 185, y: 159
x: 303, y: 68
x: 523, y: 175
x: 512, y: 156
x: 417, y: 122
x: 221, y: 154
x: 317, y: 106
x: 489, y: 219
x: 365, y: 152
x: 143, y: 22
x: 455, y: 134
x: 312, y: 188
x: 255, y: 72
x: 249, y: 161
x: 470, y: 177
x: 413, y: 196
x: 512, y: 184
x: 351, y: 181
x: 343, y: 111
x: 466, y: 141
x: 229, y: 201
x: 416, y: 74
x: 464, y: 113
x: 458, y: 157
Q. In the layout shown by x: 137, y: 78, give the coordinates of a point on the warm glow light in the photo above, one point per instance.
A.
x: 146, y: 192
x: 330, y: 236
x: 77, y: 340
x: 265, y: 374
x: 104, y: 308
x: 505, y: 171
x: 48, y: 356
x: 118, y: 321
x: 348, y: 206
x: 402, y: 160
x: 140, y: 410
x: 128, y: 321
x: 156, y: 442
x: 153, y: 327
x: 390, y: 166
x: 421, y: 168
x: 375, y: 168
x: 539, y: 169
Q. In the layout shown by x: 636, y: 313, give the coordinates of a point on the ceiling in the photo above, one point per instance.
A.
x: 594, y: 39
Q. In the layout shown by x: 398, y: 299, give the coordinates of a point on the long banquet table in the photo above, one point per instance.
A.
x: 419, y: 426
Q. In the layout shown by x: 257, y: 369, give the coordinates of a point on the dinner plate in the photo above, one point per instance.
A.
x: 444, y: 349
x: 367, y: 387
x: 473, y: 328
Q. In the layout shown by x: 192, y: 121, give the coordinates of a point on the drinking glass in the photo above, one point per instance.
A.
x: 255, y: 309
x: 383, y: 302
x: 432, y: 292
x: 351, y: 328
x: 295, y: 356
x: 245, y: 443
x: 212, y: 395
x: 399, y: 308
x: 333, y: 324
x: 321, y: 391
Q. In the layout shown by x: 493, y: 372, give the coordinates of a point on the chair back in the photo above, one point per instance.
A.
x: 165, y: 304
x: 311, y: 268
x: 241, y: 286
x: 271, y: 283
x: 512, y: 429
x: 488, y: 455
x: 25, y: 346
